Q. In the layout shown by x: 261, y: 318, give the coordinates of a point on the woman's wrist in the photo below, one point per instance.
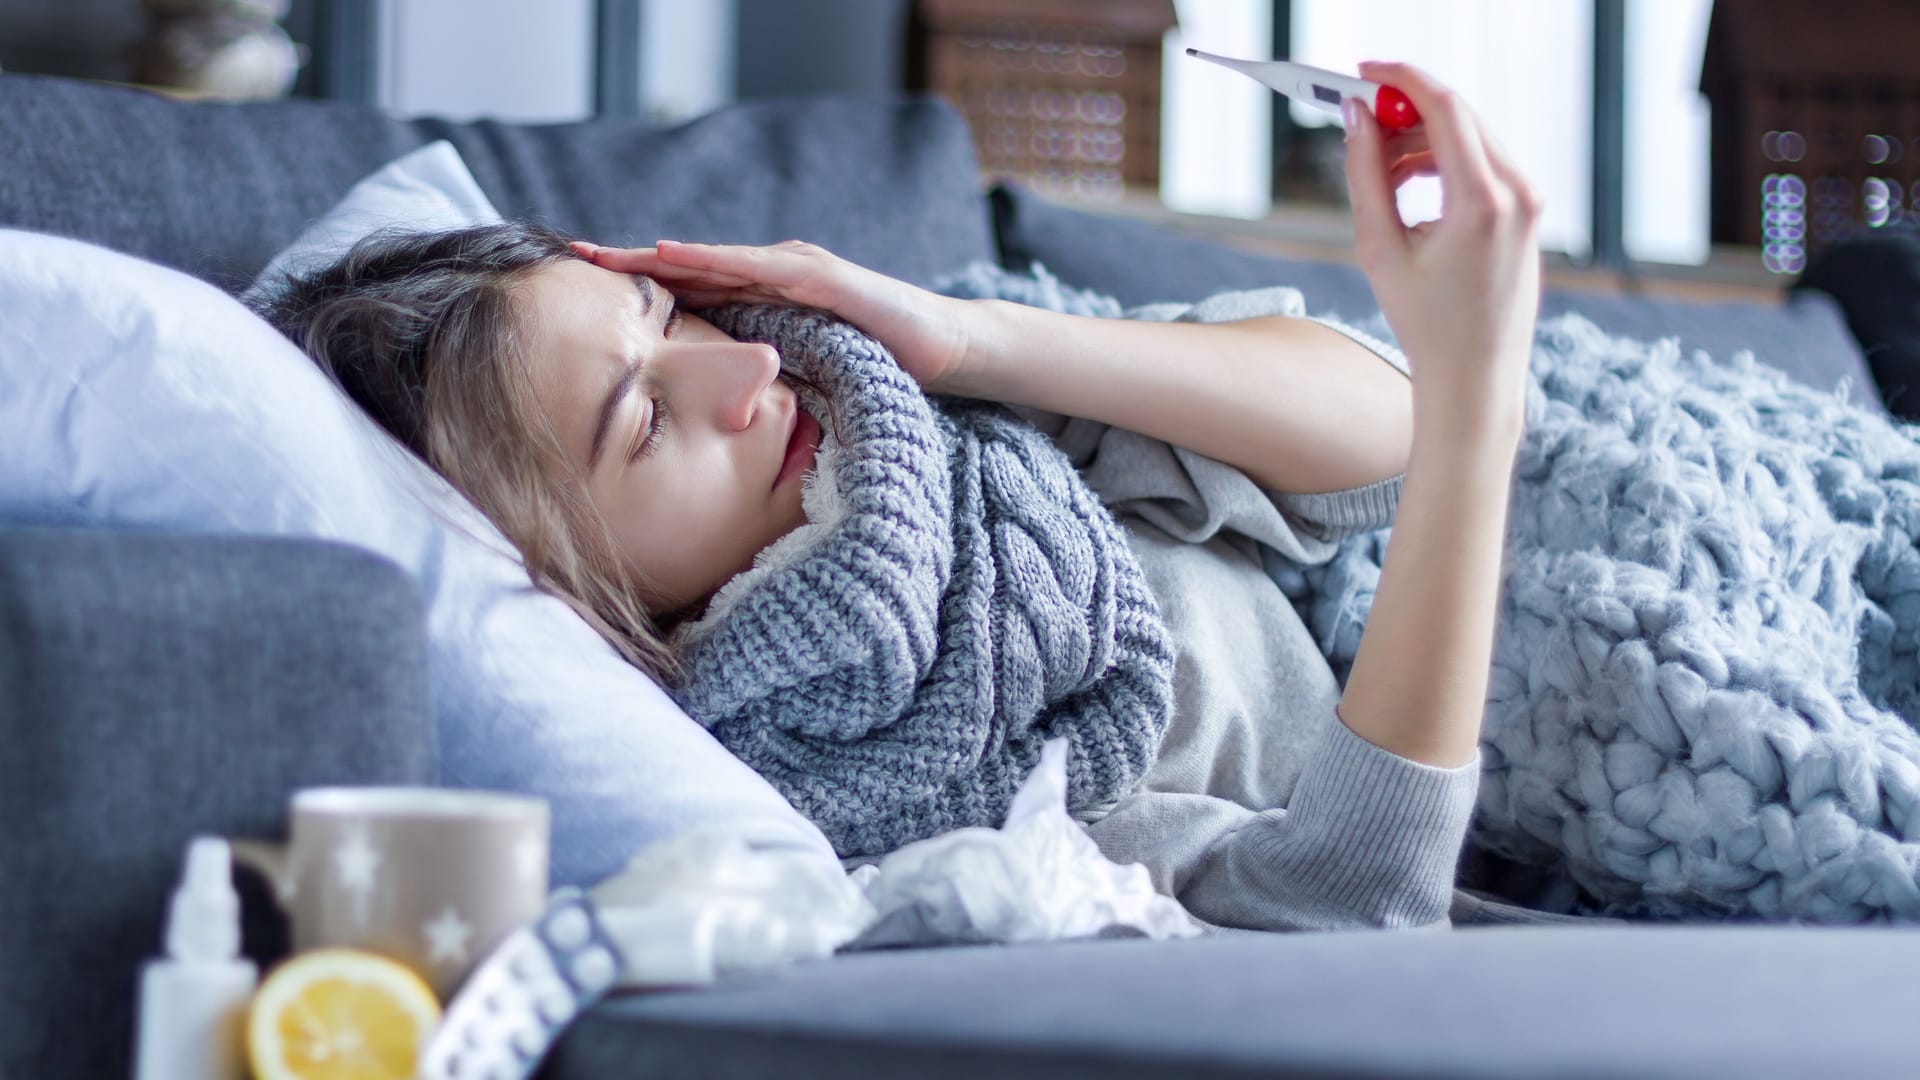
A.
x: 1467, y: 432
x: 979, y: 330
x: 1489, y: 418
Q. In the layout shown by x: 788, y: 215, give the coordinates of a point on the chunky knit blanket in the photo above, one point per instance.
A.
x: 1704, y: 687
x: 1706, y: 673
x: 958, y: 597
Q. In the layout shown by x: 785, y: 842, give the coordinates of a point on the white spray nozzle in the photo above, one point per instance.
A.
x: 204, y: 920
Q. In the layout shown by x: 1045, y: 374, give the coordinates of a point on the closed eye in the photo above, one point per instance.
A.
x: 656, y: 424
x: 658, y: 417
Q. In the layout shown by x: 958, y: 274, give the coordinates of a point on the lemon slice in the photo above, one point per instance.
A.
x: 340, y: 1014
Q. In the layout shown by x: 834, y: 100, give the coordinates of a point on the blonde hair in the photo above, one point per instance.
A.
x: 421, y: 329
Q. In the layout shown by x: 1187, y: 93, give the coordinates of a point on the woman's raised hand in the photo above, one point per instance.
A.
x: 1461, y: 292
x: 926, y: 332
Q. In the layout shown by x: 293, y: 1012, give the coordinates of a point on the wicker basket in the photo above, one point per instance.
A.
x: 1816, y: 122
x: 1062, y: 95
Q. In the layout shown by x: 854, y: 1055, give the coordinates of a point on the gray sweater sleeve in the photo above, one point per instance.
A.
x: 1333, y: 515
x: 1371, y: 840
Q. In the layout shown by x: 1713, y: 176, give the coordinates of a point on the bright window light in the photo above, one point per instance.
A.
x: 1216, y: 126
x: 1666, y: 131
x: 1525, y: 67
x: 464, y: 59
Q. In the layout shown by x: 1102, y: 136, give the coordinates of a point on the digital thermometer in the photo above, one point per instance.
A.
x: 1324, y: 89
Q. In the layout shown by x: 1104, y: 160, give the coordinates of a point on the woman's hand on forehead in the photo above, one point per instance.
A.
x: 928, y: 334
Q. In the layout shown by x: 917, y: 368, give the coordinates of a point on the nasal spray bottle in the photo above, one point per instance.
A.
x: 193, y: 1002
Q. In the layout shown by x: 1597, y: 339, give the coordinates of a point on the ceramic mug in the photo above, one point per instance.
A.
x: 433, y: 877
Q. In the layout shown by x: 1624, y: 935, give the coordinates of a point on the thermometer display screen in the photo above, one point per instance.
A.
x: 1326, y: 94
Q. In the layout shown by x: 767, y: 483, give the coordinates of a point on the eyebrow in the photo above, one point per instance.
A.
x: 623, y: 385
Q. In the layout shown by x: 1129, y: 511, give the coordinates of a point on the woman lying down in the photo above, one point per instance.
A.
x: 884, y: 589
x: 885, y: 592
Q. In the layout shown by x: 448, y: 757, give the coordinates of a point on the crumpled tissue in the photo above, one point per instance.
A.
x: 710, y: 903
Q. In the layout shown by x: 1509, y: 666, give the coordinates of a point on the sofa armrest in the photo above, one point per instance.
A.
x: 158, y: 686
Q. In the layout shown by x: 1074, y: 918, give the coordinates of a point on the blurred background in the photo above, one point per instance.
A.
x: 1679, y: 143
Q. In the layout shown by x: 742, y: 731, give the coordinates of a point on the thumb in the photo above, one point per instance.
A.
x: 1377, y: 231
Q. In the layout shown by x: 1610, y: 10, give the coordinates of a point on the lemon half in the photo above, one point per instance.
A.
x: 340, y: 1014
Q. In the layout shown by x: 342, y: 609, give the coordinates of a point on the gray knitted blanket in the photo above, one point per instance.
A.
x: 1704, y: 680
x: 1706, y: 674
x: 958, y: 597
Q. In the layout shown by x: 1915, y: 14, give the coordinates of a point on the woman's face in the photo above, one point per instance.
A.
x: 692, y: 448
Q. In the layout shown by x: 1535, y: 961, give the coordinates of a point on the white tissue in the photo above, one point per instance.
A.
x: 1039, y: 877
x: 704, y: 905
x: 708, y: 903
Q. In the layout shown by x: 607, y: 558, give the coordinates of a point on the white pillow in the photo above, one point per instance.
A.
x: 429, y: 188
x: 134, y: 395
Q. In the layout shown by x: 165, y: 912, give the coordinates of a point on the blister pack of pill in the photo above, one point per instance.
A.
x: 516, y: 1003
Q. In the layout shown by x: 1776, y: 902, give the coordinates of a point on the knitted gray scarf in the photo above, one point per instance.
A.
x: 894, y: 671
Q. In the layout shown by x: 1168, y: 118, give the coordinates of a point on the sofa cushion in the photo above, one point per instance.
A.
x: 1527, y: 1003
x: 215, y: 189
x: 1805, y: 334
x: 154, y: 687
x: 1139, y: 263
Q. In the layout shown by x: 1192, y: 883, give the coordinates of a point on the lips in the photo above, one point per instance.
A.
x: 802, y: 441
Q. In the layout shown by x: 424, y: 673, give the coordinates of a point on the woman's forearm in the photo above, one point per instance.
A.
x: 1419, y: 681
x: 1296, y: 406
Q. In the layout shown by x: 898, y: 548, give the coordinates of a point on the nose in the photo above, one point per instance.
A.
x: 727, y: 379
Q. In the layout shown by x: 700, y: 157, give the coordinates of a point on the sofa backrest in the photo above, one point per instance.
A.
x: 216, y: 189
x: 1804, y: 333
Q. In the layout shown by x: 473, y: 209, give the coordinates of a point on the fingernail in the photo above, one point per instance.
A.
x: 585, y: 248
x: 1350, y: 112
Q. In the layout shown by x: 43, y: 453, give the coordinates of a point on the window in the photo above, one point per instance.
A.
x: 1525, y: 66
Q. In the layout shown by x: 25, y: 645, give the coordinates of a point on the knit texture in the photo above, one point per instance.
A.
x: 895, y: 671
x: 1704, y: 682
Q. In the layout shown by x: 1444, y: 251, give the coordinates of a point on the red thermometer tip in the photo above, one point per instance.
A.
x: 1393, y: 110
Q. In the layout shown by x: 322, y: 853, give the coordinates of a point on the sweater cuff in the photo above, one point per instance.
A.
x: 1335, y: 515
x: 1394, y: 357
x: 1372, y: 836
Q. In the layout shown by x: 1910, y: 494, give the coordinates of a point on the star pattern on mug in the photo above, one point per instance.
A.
x: 447, y: 937
x: 357, y: 862
x: 529, y: 858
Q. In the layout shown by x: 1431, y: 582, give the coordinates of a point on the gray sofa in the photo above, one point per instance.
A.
x: 154, y: 686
